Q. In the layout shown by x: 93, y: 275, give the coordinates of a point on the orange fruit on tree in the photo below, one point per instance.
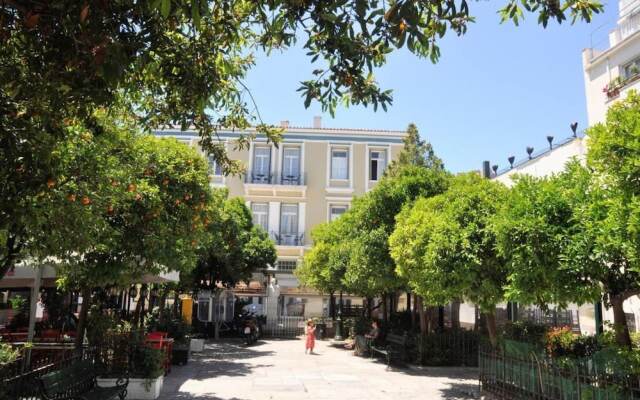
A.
x: 71, y: 197
x: 131, y: 187
x: 86, y: 200
x: 51, y: 183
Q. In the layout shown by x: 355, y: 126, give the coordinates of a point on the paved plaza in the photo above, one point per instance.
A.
x: 279, y: 370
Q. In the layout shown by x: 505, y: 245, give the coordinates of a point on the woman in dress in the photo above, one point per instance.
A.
x: 311, y: 337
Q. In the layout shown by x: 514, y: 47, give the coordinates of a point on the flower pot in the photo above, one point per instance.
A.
x: 196, y: 345
x: 180, y: 355
x: 138, y: 388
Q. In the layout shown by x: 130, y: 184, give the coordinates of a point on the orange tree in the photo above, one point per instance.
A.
x: 182, y: 62
x: 148, y: 212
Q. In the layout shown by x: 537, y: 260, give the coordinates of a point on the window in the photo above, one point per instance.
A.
x: 291, y: 166
x: 340, y: 164
x: 261, y: 165
x: 336, y: 211
x: 287, y: 265
x: 260, y: 213
x: 377, y: 164
x: 214, y: 167
x: 631, y: 69
x: 288, y: 224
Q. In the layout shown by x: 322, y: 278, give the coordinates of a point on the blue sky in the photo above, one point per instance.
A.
x: 494, y: 91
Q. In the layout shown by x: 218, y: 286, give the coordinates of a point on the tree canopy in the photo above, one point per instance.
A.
x: 233, y: 247
x: 445, y: 250
x: 182, y: 63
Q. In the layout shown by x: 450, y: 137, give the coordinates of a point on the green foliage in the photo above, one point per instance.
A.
x: 324, y: 266
x: 416, y: 151
x: 524, y: 331
x: 561, y: 342
x: 102, y: 326
x: 8, y: 353
x: 537, y: 230
x: 18, y: 302
x: 176, y: 328
x: 372, y: 218
x: 233, y: 247
x: 444, y: 248
x: 179, y: 63
x: 147, y: 363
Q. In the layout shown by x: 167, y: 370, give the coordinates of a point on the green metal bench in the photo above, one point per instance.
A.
x: 79, y: 382
x: 394, y: 348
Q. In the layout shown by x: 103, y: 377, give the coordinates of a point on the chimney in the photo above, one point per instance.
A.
x: 486, y: 169
x: 284, y: 124
x: 317, y: 122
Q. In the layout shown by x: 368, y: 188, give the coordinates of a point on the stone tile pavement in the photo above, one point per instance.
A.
x: 279, y: 370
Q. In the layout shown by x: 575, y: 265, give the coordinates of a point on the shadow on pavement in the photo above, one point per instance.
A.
x: 219, y: 359
x: 459, y: 391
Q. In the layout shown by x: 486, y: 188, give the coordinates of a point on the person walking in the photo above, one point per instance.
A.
x: 311, y: 337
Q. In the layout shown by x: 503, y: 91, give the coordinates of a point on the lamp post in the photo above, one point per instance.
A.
x: 339, y: 320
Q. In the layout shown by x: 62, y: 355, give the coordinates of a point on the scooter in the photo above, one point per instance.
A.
x: 250, y: 330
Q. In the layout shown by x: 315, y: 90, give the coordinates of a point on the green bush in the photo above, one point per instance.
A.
x: 147, y: 363
x: 176, y: 328
x: 524, y: 331
x: 8, y: 353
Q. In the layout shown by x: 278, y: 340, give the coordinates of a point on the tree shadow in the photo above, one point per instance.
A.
x: 188, y: 396
x: 460, y: 391
x: 219, y: 359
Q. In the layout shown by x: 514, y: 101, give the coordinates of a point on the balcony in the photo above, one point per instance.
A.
x: 288, y: 239
x: 257, y: 183
x: 261, y: 178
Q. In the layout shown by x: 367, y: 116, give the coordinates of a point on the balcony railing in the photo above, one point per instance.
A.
x: 275, y: 179
x: 288, y: 239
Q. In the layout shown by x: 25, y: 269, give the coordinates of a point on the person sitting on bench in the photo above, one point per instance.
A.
x: 362, y: 342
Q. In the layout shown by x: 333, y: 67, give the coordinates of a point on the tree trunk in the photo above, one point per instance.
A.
x: 384, y: 307
x: 409, y: 301
x: 138, y: 310
x: 620, y: 322
x: 82, y: 318
x: 455, y: 314
x: 332, y: 305
x: 414, y: 311
x: 176, y: 304
x: 13, y: 246
x: 492, y: 330
x: 421, y: 314
x: 162, y: 302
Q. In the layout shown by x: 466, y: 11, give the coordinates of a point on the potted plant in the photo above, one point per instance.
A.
x: 146, y: 374
x: 177, y: 330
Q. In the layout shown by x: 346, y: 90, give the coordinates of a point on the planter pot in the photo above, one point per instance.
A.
x: 180, y: 355
x: 196, y: 345
x: 138, y: 389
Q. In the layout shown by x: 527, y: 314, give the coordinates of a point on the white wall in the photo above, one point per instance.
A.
x: 549, y: 163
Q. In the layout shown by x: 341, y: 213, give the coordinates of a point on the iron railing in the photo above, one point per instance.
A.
x: 284, y: 327
x: 288, y: 239
x: 18, y: 379
x: 532, y: 375
x: 457, y: 347
x: 264, y: 178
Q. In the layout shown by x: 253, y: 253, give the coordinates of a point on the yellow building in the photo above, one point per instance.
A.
x: 309, y: 178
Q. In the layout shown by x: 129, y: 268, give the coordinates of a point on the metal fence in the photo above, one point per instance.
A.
x: 448, y: 348
x: 285, y: 327
x: 18, y: 380
x: 534, y: 376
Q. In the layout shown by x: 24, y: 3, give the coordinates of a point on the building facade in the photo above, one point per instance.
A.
x: 311, y: 177
x: 610, y: 73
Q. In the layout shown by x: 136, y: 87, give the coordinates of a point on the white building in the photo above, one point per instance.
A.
x: 610, y: 73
